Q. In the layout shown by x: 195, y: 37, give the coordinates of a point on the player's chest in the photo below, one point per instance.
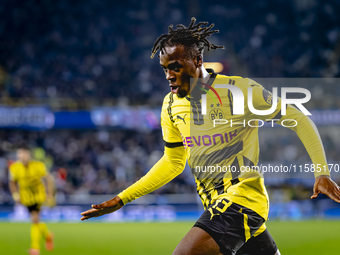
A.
x: 204, y: 117
x: 27, y: 175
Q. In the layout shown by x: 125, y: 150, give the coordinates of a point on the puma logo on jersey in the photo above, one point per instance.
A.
x: 179, y: 117
x: 212, y: 213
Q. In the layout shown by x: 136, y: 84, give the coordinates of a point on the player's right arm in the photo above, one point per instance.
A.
x: 167, y: 168
x: 13, y: 186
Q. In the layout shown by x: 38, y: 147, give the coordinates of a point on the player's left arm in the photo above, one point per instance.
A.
x: 309, y: 136
x: 306, y: 131
x: 48, y: 181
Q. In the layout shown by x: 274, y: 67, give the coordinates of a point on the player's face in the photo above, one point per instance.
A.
x: 178, y: 68
x: 24, y: 156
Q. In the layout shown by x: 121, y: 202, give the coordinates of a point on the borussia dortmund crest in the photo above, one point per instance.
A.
x: 216, y: 113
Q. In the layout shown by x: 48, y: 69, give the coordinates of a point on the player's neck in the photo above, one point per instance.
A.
x: 204, y: 75
x: 25, y: 163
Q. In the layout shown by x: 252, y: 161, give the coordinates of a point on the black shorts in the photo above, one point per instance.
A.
x: 262, y: 244
x: 35, y: 207
x: 230, y: 225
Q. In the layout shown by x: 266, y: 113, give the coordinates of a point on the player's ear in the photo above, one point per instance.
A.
x: 199, y: 60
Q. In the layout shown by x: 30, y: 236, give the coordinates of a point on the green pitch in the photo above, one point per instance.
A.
x: 88, y: 238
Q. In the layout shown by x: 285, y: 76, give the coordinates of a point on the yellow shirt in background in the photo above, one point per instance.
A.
x: 31, y: 187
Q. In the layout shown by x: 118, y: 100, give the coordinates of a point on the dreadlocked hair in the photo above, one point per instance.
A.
x: 192, y: 35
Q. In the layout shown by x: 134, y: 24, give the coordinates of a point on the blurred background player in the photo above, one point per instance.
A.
x: 28, y: 179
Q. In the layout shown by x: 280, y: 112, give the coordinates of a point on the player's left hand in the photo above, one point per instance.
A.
x: 50, y: 201
x: 325, y: 185
x: 109, y: 206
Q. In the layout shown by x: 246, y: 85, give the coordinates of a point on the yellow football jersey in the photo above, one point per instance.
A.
x: 31, y: 188
x: 217, y: 153
x: 223, y: 155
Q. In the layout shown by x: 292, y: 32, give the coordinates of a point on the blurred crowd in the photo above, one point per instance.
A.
x: 89, y: 162
x: 100, y: 50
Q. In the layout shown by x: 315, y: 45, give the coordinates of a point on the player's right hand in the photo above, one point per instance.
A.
x: 16, y: 197
x: 106, y: 207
